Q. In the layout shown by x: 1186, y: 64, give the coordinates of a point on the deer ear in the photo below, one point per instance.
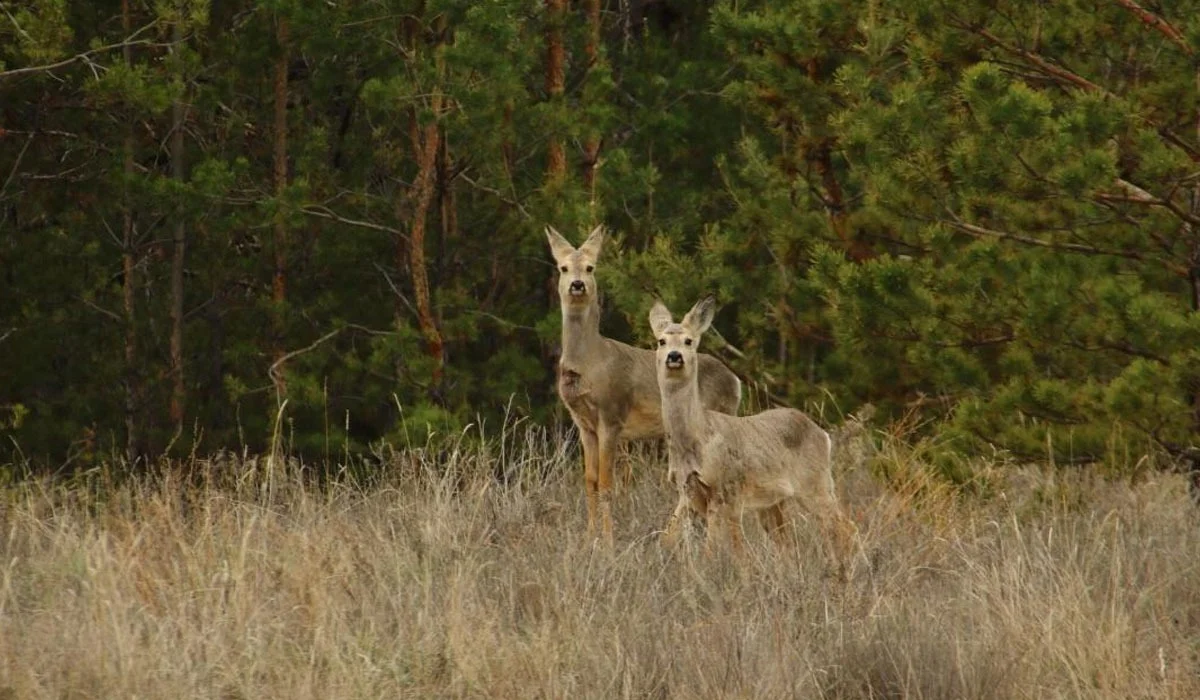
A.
x: 660, y: 317
x: 701, y: 316
x: 595, y: 241
x: 559, y: 246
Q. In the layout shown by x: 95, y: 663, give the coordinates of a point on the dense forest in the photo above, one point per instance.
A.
x: 224, y: 218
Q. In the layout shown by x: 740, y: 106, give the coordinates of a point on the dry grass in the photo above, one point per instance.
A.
x: 443, y: 582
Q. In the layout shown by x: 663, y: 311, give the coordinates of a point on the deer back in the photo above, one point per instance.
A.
x: 766, y: 457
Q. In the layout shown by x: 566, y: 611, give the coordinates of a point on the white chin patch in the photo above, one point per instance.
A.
x: 576, y: 292
x: 674, y: 365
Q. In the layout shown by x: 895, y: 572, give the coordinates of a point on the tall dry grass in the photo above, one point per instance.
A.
x: 466, y: 572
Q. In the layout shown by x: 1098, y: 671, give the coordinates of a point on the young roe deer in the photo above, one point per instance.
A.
x: 610, y: 388
x: 724, y: 465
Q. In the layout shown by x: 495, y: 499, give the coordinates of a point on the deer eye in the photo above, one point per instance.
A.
x: 590, y: 268
x: 687, y: 341
x: 662, y: 341
x: 563, y: 268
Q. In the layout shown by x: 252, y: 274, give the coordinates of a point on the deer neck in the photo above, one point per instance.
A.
x: 581, y: 340
x: 685, y: 423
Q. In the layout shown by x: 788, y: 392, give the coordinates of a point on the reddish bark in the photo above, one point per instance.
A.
x: 556, y: 158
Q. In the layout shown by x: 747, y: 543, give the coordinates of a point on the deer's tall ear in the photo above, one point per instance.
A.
x: 559, y: 246
x: 701, y: 316
x: 595, y: 241
x: 660, y: 317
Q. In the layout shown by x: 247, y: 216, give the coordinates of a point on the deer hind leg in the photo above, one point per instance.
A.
x: 591, y: 458
x: 838, y: 533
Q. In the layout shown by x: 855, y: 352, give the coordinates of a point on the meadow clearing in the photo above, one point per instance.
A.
x: 466, y: 571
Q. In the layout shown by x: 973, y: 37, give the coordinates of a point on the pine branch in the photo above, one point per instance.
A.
x: 498, y: 194
x: 1137, y: 195
x: 273, y: 370
x: 96, y: 307
x: 84, y: 57
x: 1057, y: 72
x: 16, y: 165
x: 1163, y: 26
x: 1065, y: 76
x: 981, y: 232
x: 327, y: 213
x: 1123, y: 347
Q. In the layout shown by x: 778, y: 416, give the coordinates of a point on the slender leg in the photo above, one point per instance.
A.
x: 626, y: 470
x: 723, y: 516
x: 838, y: 532
x: 679, y: 520
x: 591, y: 456
x: 734, y: 524
x: 773, y: 521
x: 710, y: 534
x: 609, y: 438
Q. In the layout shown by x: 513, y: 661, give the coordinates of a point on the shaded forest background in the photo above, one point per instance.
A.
x: 984, y: 217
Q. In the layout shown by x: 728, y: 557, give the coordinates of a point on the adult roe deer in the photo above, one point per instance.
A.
x: 610, y: 388
x: 724, y: 465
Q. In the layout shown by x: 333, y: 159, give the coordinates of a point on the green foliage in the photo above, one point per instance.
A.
x: 990, y: 223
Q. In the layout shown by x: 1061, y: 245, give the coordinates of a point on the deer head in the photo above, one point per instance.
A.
x: 576, y: 267
x: 675, y: 356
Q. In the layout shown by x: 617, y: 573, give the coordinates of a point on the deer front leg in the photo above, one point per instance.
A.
x: 723, y: 516
x: 733, y: 523
x: 609, y: 439
x: 773, y: 521
x: 677, y: 522
x: 591, y: 457
x: 838, y: 531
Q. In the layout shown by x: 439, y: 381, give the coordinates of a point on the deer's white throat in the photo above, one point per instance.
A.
x: 580, y: 333
x: 684, y: 417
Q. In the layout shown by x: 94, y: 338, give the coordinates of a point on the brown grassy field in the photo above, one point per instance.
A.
x: 441, y: 581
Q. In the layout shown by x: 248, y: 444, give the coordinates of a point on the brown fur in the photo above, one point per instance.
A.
x: 725, y: 465
x: 610, y: 388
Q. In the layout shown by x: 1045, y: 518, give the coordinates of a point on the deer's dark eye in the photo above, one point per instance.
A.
x: 687, y: 341
x: 563, y: 268
x: 662, y: 341
x: 590, y: 268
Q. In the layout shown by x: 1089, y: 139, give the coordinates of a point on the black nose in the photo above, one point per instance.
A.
x: 674, y: 358
x: 577, y: 286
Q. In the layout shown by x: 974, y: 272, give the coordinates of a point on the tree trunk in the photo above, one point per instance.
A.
x: 1195, y: 280
x: 556, y: 159
x: 129, y: 270
x: 426, y: 147
x: 426, y: 141
x: 178, y: 115
x: 280, y: 242
x: 449, y: 202
x: 591, y: 147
